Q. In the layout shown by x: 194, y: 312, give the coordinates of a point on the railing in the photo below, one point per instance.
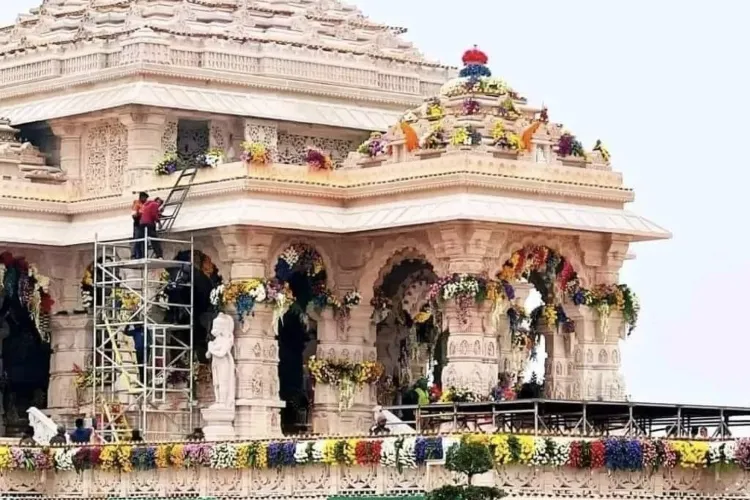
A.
x: 321, y: 482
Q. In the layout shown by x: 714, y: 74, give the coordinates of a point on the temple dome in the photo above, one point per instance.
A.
x: 328, y: 24
x: 479, y: 110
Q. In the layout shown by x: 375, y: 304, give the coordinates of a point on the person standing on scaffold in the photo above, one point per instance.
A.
x: 150, y: 214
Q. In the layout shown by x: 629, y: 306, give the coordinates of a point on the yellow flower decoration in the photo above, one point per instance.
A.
x: 527, y: 449
x: 422, y: 317
x: 177, y: 455
x: 242, y: 456
x: 692, y: 453
x: 351, y: 448
x: 124, y: 452
x: 161, y: 457
x: 6, y: 459
x: 502, y: 449
x: 108, y: 457
x: 329, y: 451
x: 262, y: 461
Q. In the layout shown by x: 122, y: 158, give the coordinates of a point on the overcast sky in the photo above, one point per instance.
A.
x: 662, y: 84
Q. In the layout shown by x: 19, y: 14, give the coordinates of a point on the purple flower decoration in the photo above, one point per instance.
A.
x: 510, y: 292
x: 430, y: 448
x: 143, y: 458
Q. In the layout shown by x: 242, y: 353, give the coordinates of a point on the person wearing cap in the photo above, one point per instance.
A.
x: 135, y: 212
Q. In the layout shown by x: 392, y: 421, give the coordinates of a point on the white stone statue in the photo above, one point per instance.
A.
x: 222, y: 362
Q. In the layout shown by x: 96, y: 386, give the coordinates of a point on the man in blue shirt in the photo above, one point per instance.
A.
x: 80, y: 434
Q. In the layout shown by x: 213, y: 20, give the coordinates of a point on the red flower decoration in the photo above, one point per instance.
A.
x: 474, y: 56
x: 47, y: 303
x: 598, y: 451
x: 575, y: 459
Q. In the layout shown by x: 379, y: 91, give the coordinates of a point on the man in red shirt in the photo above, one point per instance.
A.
x: 136, y: 214
x: 150, y: 214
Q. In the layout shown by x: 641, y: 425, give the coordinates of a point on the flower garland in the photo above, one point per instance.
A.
x: 256, y: 153
x: 212, y: 158
x: 614, y: 454
x: 470, y: 106
x: 460, y: 395
x: 505, y: 139
x: 467, y: 290
x: 87, y: 287
x: 374, y: 147
x: 605, y: 299
x: 169, y: 164
x: 245, y: 294
x: 568, y: 145
x: 84, y: 378
x: 435, y: 138
x: 317, y: 160
x: 345, y: 375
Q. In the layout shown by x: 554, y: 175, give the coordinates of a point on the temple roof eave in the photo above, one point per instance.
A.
x: 255, y: 211
x: 223, y: 102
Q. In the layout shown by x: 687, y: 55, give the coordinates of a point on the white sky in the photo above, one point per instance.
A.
x: 663, y: 85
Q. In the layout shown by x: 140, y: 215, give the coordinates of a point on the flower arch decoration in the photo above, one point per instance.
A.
x: 557, y: 281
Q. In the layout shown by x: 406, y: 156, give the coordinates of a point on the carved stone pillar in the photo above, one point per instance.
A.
x: 558, y: 367
x: 265, y: 132
x: 472, y: 342
x: 71, y: 345
x: 596, y: 355
x: 351, y: 340
x: 70, y: 134
x: 256, y: 351
x: 145, y: 131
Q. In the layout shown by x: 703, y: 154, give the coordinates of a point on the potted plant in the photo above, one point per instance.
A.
x: 470, y: 457
x: 506, y: 144
x: 374, y: 150
x: 433, y: 144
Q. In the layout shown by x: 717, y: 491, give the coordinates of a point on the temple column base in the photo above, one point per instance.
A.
x: 219, y: 423
x: 258, y: 419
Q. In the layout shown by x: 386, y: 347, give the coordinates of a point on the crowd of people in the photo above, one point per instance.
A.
x: 146, y: 214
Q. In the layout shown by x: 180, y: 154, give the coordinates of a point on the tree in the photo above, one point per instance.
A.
x: 469, y: 458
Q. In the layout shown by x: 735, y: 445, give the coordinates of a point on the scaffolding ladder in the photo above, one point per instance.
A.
x: 148, y: 387
x: 176, y: 197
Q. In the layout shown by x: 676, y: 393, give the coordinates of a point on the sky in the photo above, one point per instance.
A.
x: 662, y: 84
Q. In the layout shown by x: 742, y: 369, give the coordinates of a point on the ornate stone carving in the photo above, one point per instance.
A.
x: 106, y: 153
x: 292, y: 149
x: 222, y: 361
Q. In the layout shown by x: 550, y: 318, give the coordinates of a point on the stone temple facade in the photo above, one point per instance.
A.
x: 402, y: 180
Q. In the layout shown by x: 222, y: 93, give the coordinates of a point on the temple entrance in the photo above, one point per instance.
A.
x: 410, y: 343
x: 301, y: 269
x: 24, y: 330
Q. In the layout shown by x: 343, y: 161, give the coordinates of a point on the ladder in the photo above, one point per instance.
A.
x: 175, y: 199
x: 114, y: 418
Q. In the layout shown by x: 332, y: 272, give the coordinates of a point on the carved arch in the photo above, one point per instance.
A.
x: 567, y: 246
x: 392, y: 253
x: 321, y: 247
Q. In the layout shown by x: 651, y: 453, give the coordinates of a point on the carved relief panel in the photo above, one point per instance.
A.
x: 106, y: 152
x: 293, y: 148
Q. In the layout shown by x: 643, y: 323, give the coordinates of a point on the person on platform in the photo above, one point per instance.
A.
x: 60, y: 438
x: 27, y: 439
x: 150, y: 214
x: 380, y: 427
x: 136, y: 214
x: 80, y: 434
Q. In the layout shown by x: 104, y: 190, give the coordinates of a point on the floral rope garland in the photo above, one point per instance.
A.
x: 614, y: 454
x: 346, y: 375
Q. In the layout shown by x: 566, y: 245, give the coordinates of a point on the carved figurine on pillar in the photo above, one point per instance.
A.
x: 219, y: 417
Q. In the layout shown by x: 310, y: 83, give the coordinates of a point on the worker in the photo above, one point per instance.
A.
x: 150, y: 214
x: 135, y: 212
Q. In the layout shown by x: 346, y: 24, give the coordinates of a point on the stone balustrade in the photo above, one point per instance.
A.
x: 321, y: 482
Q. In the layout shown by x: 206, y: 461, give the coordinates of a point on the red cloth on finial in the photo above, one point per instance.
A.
x: 474, y: 56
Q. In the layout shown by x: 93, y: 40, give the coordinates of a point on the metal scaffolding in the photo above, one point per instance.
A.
x: 143, y: 343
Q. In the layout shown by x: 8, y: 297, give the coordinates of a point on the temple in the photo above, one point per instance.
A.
x: 353, y: 241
